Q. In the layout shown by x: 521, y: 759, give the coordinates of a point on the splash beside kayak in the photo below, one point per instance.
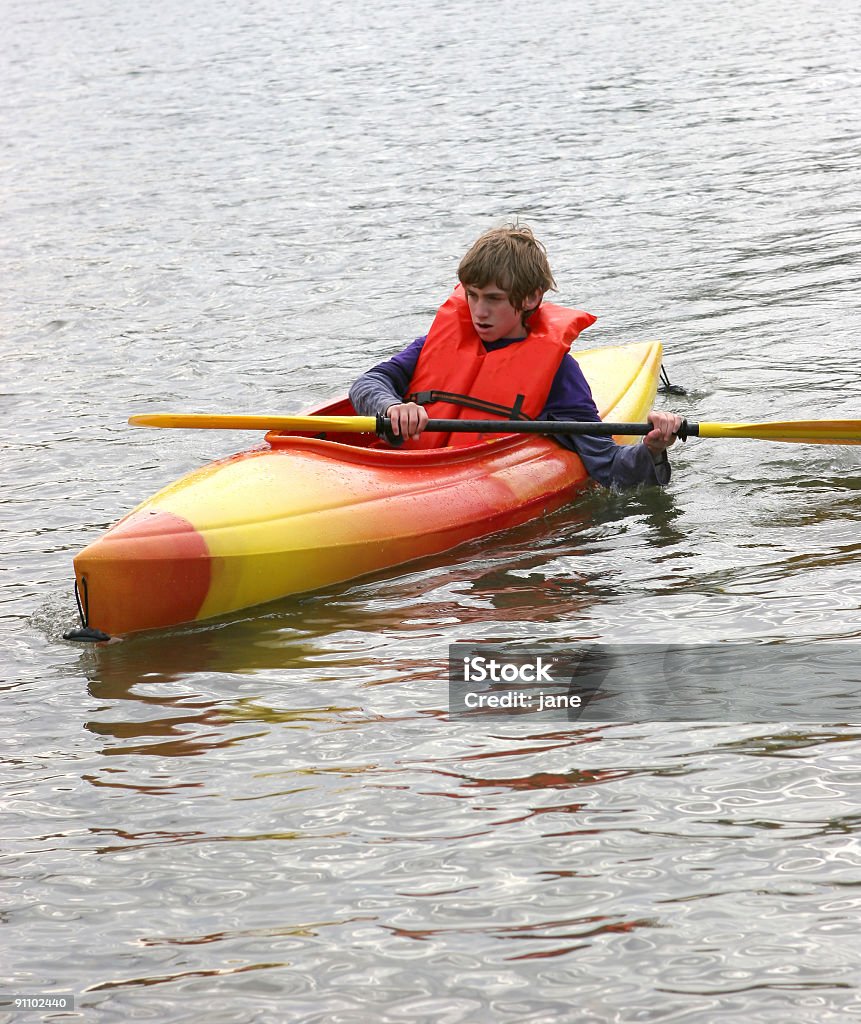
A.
x: 303, y: 512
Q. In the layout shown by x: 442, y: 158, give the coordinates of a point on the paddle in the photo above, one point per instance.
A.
x: 793, y: 431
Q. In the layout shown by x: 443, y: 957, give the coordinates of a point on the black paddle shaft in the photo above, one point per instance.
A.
x: 596, y: 428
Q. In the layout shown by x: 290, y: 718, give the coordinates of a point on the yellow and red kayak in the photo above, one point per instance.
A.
x: 303, y: 512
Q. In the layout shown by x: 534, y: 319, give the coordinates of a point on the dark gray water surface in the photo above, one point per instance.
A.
x: 237, y: 207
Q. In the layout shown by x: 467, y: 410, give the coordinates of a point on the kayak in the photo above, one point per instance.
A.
x: 304, y: 511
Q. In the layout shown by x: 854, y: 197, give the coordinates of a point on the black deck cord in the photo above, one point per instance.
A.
x: 667, y: 388
x: 513, y: 412
x: 87, y: 633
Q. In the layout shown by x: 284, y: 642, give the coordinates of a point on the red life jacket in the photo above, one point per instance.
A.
x: 515, y: 379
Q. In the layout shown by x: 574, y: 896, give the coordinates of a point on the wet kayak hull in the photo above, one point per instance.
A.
x: 301, y: 513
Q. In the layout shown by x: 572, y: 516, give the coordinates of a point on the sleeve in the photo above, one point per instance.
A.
x: 610, y: 464
x: 386, y: 383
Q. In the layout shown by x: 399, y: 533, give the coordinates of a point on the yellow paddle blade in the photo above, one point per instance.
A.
x: 205, y: 421
x: 793, y: 431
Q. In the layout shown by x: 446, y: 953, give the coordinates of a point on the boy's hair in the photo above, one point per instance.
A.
x: 511, y: 258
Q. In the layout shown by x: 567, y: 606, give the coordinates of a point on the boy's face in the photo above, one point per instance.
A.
x: 493, y: 316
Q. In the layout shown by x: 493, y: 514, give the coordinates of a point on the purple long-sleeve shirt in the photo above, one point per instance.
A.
x: 570, y: 398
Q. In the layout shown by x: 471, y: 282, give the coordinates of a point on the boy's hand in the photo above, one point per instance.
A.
x: 665, y: 426
x: 408, y: 419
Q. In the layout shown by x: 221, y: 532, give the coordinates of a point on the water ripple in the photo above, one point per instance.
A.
x: 272, y: 815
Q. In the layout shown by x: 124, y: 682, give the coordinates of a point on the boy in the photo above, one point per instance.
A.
x: 493, y: 351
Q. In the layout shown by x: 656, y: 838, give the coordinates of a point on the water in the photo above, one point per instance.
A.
x: 224, y: 207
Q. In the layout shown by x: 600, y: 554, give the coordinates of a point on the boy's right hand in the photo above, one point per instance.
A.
x: 408, y: 419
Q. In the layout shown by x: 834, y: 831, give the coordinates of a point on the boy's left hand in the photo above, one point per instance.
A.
x: 665, y: 427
